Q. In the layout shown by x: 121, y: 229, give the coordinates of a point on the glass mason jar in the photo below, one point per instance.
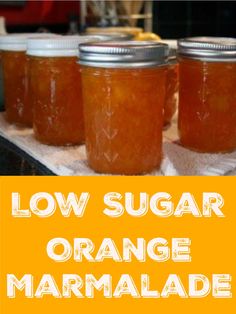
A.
x: 16, y: 77
x: 55, y: 88
x: 207, y: 99
x: 123, y: 94
x: 13, y: 55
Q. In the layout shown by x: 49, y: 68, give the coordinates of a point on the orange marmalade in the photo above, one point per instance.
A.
x: 172, y: 88
x: 15, y: 87
x: 57, y: 100
x: 207, y: 103
x: 55, y: 88
x: 123, y: 108
x: 15, y: 77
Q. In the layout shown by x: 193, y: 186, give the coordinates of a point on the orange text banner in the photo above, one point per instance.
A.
x: 117, y: 244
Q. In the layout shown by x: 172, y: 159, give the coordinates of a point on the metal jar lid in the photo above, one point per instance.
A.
x: 123, y: 54
x: 208, y: 48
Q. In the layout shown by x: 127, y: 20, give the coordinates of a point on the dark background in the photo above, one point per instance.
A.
x: 172, y: 19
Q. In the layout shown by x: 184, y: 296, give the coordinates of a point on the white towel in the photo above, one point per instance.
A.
x: 181, y: 161
x: 64, y: 161
x: 69, y: 161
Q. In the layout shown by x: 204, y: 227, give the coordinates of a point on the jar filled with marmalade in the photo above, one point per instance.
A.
x: 55, y: 88
x: 14, y: 68
x: 123, y: 87
x: 207, y: 96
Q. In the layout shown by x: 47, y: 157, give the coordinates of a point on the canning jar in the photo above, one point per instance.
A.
x: 55, y: 88
x: 13, y: 55
x: 15, y: 77
x: 207, y: 99
x: 123, y: 93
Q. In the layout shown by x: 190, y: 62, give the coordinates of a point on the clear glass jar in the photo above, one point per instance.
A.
x: 207, y: 115
x: 14, y: 77
x: 124, y: 113
x: 55, y: 88
x: 57, y: 100
x: 15, y: 67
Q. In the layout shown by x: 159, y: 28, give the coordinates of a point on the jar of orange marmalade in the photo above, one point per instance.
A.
x: 13, y: 56
x: 16, y: 78
x: 55, y: 90
x: 123, y: 87
x: 207, y: 100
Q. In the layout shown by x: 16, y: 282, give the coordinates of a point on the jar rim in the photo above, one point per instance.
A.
x: 123, y: 54
x: 120, y: 65
x: 208, y: 48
